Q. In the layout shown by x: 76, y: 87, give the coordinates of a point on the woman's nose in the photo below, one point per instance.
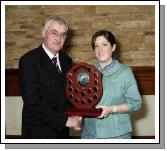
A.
x: 100, y: 49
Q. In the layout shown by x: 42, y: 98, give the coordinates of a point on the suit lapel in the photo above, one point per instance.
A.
x: 63, y: 62
x: 46, y: 62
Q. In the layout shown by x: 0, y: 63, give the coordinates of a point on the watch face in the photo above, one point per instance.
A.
x: 83, y: 85
x: 82, y: 79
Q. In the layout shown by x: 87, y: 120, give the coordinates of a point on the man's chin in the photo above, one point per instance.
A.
x: 56, y: 49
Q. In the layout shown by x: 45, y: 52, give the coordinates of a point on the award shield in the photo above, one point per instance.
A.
x: 83, y: 90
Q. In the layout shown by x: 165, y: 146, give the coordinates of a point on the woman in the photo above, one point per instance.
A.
x: 120, y: 93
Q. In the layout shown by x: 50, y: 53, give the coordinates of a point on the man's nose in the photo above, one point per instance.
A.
x: 58, y: 38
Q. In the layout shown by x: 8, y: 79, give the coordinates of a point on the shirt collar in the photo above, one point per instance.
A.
x: 51, y: 56
x: 108, y: 67
x: 49, y: 53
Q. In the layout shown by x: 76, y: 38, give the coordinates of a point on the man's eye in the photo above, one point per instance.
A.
x: 55, y: 33
x: 63, y: 35
x: 104, y: 44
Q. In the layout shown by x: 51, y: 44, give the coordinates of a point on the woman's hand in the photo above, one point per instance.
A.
x: 106, y: 110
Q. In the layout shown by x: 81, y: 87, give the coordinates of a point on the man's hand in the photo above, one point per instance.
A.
x: 78, y: 128
x: 74, y: 121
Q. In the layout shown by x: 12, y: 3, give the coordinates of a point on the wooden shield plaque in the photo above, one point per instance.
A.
x: 83, y: 90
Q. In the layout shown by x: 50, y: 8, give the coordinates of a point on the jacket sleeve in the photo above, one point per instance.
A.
x: 132, y: 96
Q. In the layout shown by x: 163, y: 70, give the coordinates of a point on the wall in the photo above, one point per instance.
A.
x: 143, y: 120
x: 133, y: 27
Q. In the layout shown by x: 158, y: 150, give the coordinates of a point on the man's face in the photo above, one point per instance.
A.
x: 54, y: 37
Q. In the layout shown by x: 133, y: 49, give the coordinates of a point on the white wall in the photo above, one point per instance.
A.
x: 13, y: 112
x: 143, y: 120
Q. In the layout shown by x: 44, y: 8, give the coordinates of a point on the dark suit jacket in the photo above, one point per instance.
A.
x: 43, y: 93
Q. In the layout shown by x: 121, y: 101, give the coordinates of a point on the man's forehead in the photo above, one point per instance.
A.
x: 56, y: 26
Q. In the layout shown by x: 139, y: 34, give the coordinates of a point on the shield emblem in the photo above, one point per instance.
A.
x: 84, y: 85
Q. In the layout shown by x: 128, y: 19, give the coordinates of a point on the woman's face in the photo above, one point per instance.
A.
x: 103, y: 49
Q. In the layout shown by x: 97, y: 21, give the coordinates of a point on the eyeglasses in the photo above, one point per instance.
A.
x: 57, y: 34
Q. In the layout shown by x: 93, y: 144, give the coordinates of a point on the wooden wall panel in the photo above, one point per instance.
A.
x: 78, y: 137
x: 11, y: 82
x: 145, y: 77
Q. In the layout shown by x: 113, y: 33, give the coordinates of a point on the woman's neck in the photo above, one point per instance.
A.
x: 105, y: 63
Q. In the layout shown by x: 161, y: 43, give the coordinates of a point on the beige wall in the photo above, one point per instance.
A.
x: 143, y: 120
x: 133, y: 27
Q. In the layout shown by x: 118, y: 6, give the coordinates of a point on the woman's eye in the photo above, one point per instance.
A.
x: 104, y: 44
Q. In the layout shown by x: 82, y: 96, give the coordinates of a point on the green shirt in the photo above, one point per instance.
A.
x: 119, y: 87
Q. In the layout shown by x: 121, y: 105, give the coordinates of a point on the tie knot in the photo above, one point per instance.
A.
x: 54, y: 59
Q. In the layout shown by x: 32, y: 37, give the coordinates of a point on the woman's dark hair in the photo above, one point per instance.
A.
x: 107, y: 34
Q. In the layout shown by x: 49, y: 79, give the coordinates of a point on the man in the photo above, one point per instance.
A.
x: 42, y: 84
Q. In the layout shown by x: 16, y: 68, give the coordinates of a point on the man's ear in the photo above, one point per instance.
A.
x: 43, y: 33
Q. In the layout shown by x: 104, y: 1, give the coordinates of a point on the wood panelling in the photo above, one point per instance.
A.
x: 145, y: 77
x: 78, y: 137
x: 11, y: 82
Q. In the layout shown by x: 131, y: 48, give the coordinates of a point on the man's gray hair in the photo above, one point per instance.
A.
x: 55, y: 19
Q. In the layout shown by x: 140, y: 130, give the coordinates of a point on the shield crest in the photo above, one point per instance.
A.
x: 84, y: 85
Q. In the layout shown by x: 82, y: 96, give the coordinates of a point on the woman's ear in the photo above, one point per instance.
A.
x: 113, y: 47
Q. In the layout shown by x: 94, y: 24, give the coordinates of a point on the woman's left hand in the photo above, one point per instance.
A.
x: 106, y: 110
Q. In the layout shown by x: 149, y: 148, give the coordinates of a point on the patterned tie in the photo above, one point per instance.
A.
x: 54, y: 59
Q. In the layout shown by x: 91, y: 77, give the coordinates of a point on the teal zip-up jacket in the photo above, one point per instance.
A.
x: 119, y: 87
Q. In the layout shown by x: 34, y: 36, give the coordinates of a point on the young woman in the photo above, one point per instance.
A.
x: 120, y: 93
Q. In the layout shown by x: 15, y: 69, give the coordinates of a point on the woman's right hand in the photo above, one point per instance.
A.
x: 106, y: 110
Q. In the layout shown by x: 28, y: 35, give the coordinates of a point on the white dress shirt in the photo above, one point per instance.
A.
x: 51, y: 56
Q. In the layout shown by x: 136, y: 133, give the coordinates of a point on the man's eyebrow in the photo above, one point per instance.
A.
x: 54, y: 30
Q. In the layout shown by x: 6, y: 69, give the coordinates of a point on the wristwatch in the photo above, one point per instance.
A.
x: 114, y: 109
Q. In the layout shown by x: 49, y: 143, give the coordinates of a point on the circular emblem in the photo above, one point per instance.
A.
x: 82, y: 79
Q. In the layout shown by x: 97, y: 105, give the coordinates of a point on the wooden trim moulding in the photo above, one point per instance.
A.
x: 78, y: 137
x: 145, y: 77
